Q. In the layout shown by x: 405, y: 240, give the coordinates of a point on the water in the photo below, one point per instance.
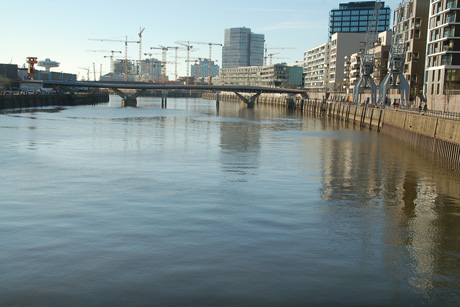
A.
x: 192, y: 206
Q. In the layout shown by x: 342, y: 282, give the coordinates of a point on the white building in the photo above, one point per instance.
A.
x: 316, y: 67
x: 342, y: 45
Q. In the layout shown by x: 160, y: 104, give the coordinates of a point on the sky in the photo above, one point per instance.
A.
x: 61, y: 30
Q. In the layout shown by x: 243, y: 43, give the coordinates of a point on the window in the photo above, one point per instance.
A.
x: 417, y: 33
x: 418, y: 22
x: 354, y: 18
x: 354, y: 12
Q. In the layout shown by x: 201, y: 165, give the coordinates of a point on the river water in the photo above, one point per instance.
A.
x: 190, y: 205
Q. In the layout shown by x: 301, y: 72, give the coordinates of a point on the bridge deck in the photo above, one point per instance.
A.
x: 166, y: 86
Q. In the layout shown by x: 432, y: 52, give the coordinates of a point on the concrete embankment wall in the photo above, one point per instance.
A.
x: 42, y: 100
x: 437, y: 136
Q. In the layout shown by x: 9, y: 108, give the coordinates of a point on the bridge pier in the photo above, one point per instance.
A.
x: 251, y: 101
x: 129, y: 100
x: 164, y: 99
x: 217, y: 99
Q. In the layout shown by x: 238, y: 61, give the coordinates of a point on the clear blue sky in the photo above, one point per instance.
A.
x: 60, y: 30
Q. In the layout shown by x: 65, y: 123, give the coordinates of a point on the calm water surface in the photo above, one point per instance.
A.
x: 190, y: 205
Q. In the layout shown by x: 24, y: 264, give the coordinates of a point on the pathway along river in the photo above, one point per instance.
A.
x: 103, y: 205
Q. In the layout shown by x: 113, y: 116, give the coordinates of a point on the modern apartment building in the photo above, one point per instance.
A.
x: 201, y: 69
x: 269, y: 76
x: 316, y: 67
x: 242, y: 48
x: 443, y: 51
x: 342, y: 45
x: 353, y: 17
x: 410, y: 30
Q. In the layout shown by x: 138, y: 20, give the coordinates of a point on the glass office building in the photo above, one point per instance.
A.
x: 242, y: 48
x: 353, y: 17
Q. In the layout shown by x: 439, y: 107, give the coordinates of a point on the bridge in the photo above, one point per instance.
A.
x: 141, y: 87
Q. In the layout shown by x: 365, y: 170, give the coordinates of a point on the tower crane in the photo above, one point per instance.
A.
x: 266, y: 52
x: 175, y: 60
x: 163, y: 60
x: 126, y: 41
x: 210, y: 56
x: 368, y: 59
x: 147, y: 66
x: 140, y: 52
x: 87, y: 70
x: 189, y: 47
x: 112, y: 66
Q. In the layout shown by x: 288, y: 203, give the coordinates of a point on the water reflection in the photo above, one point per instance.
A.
x: 365, y: 171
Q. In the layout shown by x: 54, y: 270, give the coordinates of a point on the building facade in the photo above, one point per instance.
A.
x: 342, y: 45
x: 316, y: 67
x: 410, y: 30
x: 268, y: 76
x: 242, y: 48
x: 353, y: 17
x: 442, y: 75
x: 201, y: 69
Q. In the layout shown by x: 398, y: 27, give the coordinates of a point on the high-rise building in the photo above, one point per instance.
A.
x: 443, y: 57
x: 242, y: 48
x: 410, y: 31
x: 353, y: 17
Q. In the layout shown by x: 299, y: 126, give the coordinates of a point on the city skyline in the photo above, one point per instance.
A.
x: 61, y: 31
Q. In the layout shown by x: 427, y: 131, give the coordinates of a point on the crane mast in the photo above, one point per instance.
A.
x: 140, y: 53
x: 189, y: 47
x: 126, y: 41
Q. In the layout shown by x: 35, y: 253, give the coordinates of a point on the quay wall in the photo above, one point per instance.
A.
x: 43, y: 100
x: 435, y: 135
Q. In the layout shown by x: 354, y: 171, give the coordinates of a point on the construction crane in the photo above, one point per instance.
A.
x: 126, y: 41
x: 163, y: 60
x: 175, y: 60
x: 266, y: 52
x: 147, y: 66
x: 189, y: 47
x: 140, y: 52
x: 87, y: 70
x: 210, y: 56
x: 112, y: 65
x: 366, y: 81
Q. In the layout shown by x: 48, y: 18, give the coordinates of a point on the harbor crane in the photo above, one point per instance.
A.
x: 395, y: 78
x: 366, y: 81
x: 126, y: 41
x: 210, y: 56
